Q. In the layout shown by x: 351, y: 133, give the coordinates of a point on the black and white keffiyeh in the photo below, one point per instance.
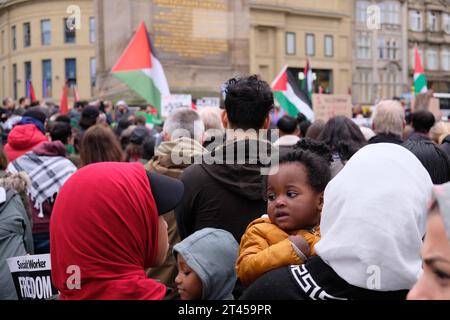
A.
x: 47, y: 174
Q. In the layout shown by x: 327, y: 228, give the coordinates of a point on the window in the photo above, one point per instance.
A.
x: 26, y: 35
x: 381, y: 48
x: 46, y: 32
x: 14, y: 67
x: 364, y: 80
x: 28, y: 76
x: 14, y: 37
x: 329, y: 46
x: 363, y: 51
x: 432, y: 22
x: 446, y: 22
x: 290, y: 43
x: 71, y: 71
x: 92, y: 32
x: 416, y: 21
x: 445, y: 57
x: 310, y: 44
x: 46, y: 78
x: 395, y: 50
x: 2, y: 44
x: 93, y: 70
x: 69, y: 34
x: 392, y: 49
x: 361, y: 11
x: 432, y: 59
x: 390, y: 12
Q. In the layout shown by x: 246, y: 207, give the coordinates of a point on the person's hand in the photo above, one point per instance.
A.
x: 300, y: 243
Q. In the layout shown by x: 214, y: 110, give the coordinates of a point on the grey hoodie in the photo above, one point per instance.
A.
x: 212, y: 254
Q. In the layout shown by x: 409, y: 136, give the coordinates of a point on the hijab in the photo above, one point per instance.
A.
x: 373, y: 219
x: 105, y: 222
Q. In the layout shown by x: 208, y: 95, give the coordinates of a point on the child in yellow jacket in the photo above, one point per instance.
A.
x: 294, y: 202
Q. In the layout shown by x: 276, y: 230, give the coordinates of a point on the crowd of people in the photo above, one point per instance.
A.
x: 346, y: 212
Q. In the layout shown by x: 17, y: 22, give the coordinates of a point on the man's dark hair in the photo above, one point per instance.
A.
x: 22, y: 100
x: 63, y: 118
x: 287, y: 124
x: 422, y: 121
x: 248, y: 102
x: 304, y: 126
x: 60, y: 131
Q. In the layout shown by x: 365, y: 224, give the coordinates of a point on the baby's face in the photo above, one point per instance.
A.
x: 292, y: 204
x: 189, y: 285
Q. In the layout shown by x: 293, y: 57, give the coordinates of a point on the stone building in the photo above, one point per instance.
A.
x: 38, y: 44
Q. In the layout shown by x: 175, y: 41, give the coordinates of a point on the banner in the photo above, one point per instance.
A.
x: 326, y: 106
x: 175, y: 101
x: 32, y: 277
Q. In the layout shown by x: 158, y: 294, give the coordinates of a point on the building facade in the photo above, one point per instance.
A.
x: 429, y: 30
x: 287, y: 32
x: 380, y: 50
x: 200, y: 43
x: 47, y: 43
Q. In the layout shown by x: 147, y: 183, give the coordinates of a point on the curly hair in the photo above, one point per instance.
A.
x: 248, y: 101
x: 316, y: 166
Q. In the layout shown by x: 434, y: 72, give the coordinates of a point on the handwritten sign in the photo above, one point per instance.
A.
x: 326, y: 106
x: 175, y: 101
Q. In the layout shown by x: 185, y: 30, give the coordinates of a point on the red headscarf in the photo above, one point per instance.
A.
x: 105, y: 221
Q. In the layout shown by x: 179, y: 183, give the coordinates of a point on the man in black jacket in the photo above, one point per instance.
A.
x: 388, y: 123
x: 226, y: 193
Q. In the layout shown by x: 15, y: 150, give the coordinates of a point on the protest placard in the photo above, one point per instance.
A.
x: 326, y: 106
x: 175, y: 101
x: 32, y: 277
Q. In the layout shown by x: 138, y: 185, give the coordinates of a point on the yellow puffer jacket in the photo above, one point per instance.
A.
x: 265, y: 247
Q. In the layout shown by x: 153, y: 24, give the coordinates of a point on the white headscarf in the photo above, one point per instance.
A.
x: 373, y: 219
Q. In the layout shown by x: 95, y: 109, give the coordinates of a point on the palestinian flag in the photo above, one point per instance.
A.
x: 290, y: 97
x: 420, y: 81
x: 141, y: 71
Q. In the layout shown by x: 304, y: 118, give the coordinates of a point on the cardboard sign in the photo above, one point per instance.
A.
x: 32, y: 277
x: 208, y: 102
x: 175, y: 101
x: 435, y: 108
x: 327, y: 106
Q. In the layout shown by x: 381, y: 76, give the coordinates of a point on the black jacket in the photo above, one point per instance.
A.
x: 386, y: 138
x: 222, y: 196
x: 314, y: 280
x: 446, y: 145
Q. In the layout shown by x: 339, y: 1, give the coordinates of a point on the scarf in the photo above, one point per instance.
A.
x: 373, y: 218
x: 110, y: 233
x: 48, y: 170
x: 29, y: 120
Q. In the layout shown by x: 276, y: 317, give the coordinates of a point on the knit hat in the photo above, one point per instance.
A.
x: 36, y: 113
x: 138, y: 135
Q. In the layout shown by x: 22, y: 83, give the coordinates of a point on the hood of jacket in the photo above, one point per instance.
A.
x: 25, y: 136
x: 212, y: 254
x: 172, y: 157
x: 50, y: 149
x: 243, y: 179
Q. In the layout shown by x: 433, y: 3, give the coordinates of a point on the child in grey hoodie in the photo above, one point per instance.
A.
x: 205, y: 262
